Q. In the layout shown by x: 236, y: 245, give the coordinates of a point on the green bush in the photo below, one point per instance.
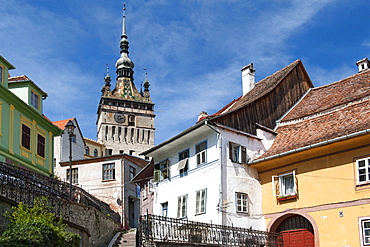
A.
x: 37, y: 227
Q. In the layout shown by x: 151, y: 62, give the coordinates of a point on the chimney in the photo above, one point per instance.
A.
x: 202, y: 114
x: 363, y: 64
x: 248, y: 78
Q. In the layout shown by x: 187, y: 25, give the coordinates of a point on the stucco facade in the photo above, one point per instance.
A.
x: 216, y: 189
x: 26, y: 136
x: 108, y: 178
x: 315, y: 177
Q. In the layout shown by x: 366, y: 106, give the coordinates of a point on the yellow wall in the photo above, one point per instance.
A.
x: 326, y: 179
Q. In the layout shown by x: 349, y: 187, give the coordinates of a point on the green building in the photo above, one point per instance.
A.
x: 26, y: 135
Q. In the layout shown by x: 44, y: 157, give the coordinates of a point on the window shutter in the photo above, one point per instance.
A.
x: 157, y: 175
x: 244, y: 155
x: 231, y: 151
x: 275, y: 186
x: 168, y: 168
x: 179, y: 207
x: 295, y: 183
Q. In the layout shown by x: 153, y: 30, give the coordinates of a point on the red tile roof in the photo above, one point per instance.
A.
x: 62, y: 123
x: 24, y: 78
x: 325, y: 113
x: 263, y: 87
x: 333, y: 95
x: 260, y: 89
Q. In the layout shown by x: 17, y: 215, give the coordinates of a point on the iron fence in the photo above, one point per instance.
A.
x: 156, y: 230
x: 22, y: 185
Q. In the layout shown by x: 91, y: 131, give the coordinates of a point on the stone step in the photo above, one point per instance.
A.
x: 127, y: 239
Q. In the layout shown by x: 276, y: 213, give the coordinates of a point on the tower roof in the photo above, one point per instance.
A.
x: 125, y: 88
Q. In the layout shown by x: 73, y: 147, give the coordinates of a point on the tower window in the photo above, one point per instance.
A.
x: 131, y: 120
x: 87, y: 150
x: 95, y: 153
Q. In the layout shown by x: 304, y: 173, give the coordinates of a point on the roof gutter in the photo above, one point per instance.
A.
x: 341, y: 138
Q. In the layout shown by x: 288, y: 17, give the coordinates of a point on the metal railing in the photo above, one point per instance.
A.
x: 155, y: 229
x: 22, y: 185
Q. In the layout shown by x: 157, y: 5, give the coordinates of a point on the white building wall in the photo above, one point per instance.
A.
x: 116, y: 192
x: 241, y: 178
x: 220, y: 205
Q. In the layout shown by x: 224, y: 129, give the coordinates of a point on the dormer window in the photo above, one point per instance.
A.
x: 34, y: 100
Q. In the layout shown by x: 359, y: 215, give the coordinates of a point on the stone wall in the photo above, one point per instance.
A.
x: 95, y: 228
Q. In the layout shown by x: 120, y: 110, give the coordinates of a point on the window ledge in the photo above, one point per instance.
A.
x: 286, y: 198
x: 108, y: 180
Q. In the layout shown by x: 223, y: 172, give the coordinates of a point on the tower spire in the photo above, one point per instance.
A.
x: 124, y: 21
x: 124, y: 64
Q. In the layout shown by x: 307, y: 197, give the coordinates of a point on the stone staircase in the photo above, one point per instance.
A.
x: 127, y: 239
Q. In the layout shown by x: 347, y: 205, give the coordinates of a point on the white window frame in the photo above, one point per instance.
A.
x: 364, y: 232
x: 365, y: 168
x: 200, y: 201
x: 201, y: 154
x: 181, y: 206
x: 242, y: 202
x: 164, y: 209
x: 183, y: 165
x: 237, y: 153
x: 278, y: 186
x: 162, y: 170
x: 74, y: 175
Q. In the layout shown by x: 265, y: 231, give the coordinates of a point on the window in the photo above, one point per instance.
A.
x: 73, y: 138
x: 164, y: 209
x: 161, y: 171
x: 365, y: 230
x: 40, y: 145
x: 95, y: 153
x: 131, y: 120
x: 200, y: 150
x: 237, y: 153
x: 87, y: 150
x: 108, y: 171
x: 132, y: 172
x: 181, y: 206
x: 241, y: 202
x: 26, y: 136
x: 285, y: 184
x: 34, y: 100
x: 200, y: 205
x: 363, y: 168
x: 183, y: 163
x: 74, y: 175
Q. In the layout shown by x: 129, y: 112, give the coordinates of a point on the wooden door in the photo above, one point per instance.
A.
x: 298, y: 238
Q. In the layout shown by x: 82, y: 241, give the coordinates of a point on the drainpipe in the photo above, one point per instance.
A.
x: 122, y: 194
x: 219, y: 143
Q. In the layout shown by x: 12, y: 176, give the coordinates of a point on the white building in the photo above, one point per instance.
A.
x: 201, y: 174
x: 108, y: 178
x: 62, y: 147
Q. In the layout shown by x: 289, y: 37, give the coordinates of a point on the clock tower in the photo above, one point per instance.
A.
x: 125, y: 121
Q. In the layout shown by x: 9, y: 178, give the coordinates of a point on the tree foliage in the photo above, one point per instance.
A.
x: 36, y: 226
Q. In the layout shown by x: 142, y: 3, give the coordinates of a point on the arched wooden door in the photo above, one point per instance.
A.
x: 297, y: 231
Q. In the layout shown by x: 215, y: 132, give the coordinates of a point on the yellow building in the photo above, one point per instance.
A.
x: 93, y: 149
x: 315, y: 178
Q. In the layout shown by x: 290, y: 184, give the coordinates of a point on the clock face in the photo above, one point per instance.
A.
x: 119, y: 117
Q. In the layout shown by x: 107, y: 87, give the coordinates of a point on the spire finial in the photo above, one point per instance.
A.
x: 107, y: 70
x: 124, y: 20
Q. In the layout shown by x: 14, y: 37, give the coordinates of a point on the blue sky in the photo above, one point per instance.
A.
x: 192, y: 50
